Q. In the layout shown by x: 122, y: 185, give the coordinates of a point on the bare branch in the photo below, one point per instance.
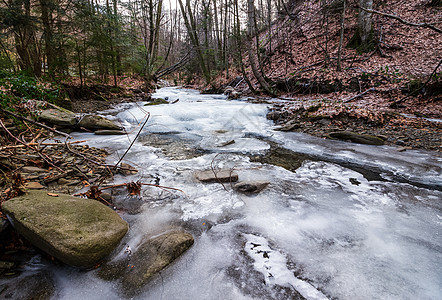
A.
x: 424, y: 25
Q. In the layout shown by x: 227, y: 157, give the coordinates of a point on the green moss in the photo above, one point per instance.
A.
x: 415, y: 85
x: 356, y: 42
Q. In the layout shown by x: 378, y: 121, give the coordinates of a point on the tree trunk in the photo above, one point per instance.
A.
x: 252, y: 58
x: 46, y: 16
x: 189, y: 21
x: 25, y: 40
x: 342, y: 35
x: 365, y: 22
x: 237, y: 36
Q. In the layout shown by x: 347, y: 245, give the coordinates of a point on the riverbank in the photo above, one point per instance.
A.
x: 319, y: 116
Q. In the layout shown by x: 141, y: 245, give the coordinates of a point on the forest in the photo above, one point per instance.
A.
x: 201, y: 41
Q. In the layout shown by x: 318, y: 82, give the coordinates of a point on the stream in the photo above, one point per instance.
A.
x: 351, y: 222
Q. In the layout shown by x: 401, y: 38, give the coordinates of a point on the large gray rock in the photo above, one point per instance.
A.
x: 58, y: 117
x: 357, y: 138
x: 223, y: 175
x: 151, y: 257
x: 94, y: 122
x: 79, y: 232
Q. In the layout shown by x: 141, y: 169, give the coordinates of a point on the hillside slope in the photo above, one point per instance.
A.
x: 381, y: 88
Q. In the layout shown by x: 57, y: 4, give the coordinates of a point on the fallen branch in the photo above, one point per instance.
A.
x: 359, y: 95
x: 35, y: 123
x: 37, y: 144
x: 214, y: 173
x: 133, y: 188
x: 424, y: 25
x: 131, y: 144
x: 43, y: 156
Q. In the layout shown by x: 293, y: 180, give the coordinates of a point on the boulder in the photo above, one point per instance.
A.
x: 231, y: 93
x: 357, y: 138
x: 223, y: 175
x: 58, y: 117
x: 251, y: 186
x: 79, y: 232
x: 94, y: 122
x: 148, y: 259
x: 273, y: 115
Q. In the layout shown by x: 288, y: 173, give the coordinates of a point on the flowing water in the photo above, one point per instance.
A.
x: 352, y: 222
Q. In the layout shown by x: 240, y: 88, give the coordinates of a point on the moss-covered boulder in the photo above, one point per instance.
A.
x: 79, y: 232
x: 357, y: 138
x: 94, y: 122
x: 153, y: 255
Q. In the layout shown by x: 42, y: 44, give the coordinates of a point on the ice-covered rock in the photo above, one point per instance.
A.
x: 79, y: 232
x: 147, y: 260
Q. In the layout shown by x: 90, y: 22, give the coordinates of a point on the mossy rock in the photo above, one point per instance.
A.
x: 79, y: 232
x: 157, y: 101
x: 59, y: 117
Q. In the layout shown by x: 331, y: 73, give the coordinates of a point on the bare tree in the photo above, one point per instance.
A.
x: 251, y: 34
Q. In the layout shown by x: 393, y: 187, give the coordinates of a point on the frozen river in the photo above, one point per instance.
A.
x: 352, y: 222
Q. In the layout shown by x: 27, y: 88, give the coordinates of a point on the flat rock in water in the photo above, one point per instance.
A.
x: 94, y: 122
x: 58, y: 117
x: 109, y: 132
x: 251, y: 186
x: 223, y: 175
x: 357, y: 138
x: 79, y: 232
x: 149, y: 258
